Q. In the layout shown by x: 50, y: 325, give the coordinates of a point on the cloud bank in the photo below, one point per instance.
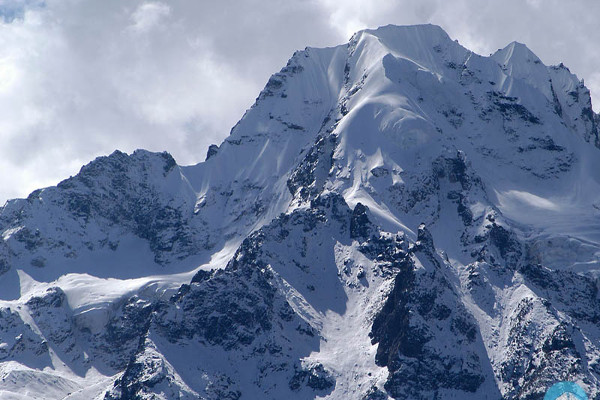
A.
x: 81, y: 78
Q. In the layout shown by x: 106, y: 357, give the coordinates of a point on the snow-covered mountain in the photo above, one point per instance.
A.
x: 396, y: 217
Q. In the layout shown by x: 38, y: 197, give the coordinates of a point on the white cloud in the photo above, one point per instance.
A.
x: 79, y: 78
x: 593, y: 83
x: 149, y: 15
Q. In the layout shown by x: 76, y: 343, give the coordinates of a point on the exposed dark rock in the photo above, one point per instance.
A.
x: 4, y: 257
x: 408, y: 343
x: 380, y: 171
x: 229, y: 309
x: 509, y: 247
x: 574, y: 294
x: 307, y: 178
x: 375, y: 394
x: 499, y: 246
x: 213, y: 149
x: 534, y: 361
x: 545, y: 143
x: 53, y: 298
x: 424, y: 239
x: 360, y: 226
x: 455, y: 169
x: 314, y: 376
x: 20, y: 343
x: 277, y: 81
x: 391, y: 326
x: 510, y: 106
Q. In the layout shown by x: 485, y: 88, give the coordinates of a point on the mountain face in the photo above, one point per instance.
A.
x: 397, y: 217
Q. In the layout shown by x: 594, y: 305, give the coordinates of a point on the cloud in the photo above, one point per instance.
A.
x: 149, y: 15
x: 15, y: 9
x: 80, y: 78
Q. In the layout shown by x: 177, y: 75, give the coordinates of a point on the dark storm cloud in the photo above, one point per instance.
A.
x: 80, y: 78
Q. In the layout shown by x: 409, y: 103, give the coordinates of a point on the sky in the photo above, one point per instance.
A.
x: 81, y: 78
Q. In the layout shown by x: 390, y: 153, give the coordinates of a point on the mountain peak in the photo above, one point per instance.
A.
x: 395, y: 217
x: 407, y: 32
x: 516, y: 53
x: 423, y: 44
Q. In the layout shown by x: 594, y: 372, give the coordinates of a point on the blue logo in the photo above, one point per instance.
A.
x: 564, y: 391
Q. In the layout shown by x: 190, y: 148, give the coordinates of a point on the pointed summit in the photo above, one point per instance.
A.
x: 429, y: 46
x: 516, y: 52
x: 412, y: 33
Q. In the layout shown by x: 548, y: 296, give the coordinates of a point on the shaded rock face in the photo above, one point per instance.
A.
x: 419, y: 328
x: 360, y: 224
x: 242, y: 311
x: 315, y: 377
x: 229, y: 308
x: 213, y: 149
x: 4, y: 258
x: 48, y: 329
x: 308, y: 177
x: 135, y: 203
x: 119, y: 340
x: 563, y: 350
x: 19, y: 341
x: 535, y: 362
x: 117, y: 192
x: 448, y: 179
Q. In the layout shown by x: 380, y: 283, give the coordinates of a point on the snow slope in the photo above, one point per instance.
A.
x: 396, y: 217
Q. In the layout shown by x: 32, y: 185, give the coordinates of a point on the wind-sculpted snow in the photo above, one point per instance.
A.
x: 397, y: 217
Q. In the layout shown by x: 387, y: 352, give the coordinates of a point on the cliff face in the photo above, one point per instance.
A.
x: 394, y: 217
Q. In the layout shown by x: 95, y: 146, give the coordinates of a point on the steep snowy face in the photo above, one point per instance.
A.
x: 115, y: 206
x: 423, y: 96
x: 394, y: 217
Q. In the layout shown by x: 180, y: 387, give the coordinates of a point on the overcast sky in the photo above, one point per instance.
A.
x: 81, y: 78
